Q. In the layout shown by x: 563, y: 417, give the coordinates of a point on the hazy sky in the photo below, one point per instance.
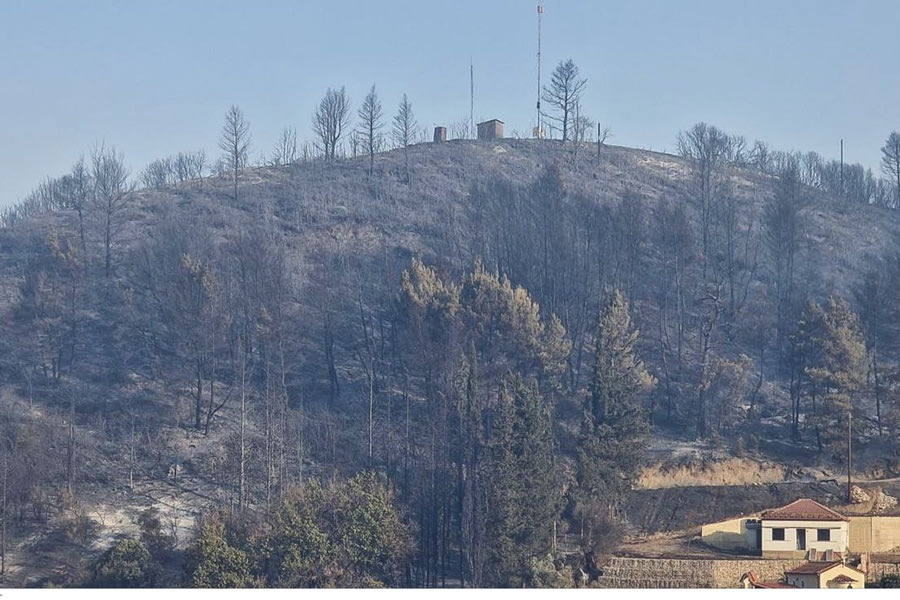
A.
x: 155, y: 77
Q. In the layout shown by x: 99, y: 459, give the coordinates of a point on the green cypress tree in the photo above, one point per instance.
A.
x: 614, y: 426
x: 524, y: 491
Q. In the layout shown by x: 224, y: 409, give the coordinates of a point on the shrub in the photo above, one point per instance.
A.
x: 347, y: 533
x: 215, y: 562
x: 127, y: 564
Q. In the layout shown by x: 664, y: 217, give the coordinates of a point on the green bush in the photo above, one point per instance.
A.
x: 127, y: 564
x: 215, y: 562
x: 342, y: 534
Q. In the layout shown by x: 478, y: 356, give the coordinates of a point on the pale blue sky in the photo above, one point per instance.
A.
x: 155, y: 77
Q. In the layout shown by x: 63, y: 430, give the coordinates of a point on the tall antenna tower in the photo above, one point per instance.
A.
x: 538, y: 130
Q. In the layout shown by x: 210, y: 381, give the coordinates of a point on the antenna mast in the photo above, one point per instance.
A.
x: 538, y: 131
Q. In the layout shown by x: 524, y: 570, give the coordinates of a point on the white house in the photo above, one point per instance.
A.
x: 793, y: 530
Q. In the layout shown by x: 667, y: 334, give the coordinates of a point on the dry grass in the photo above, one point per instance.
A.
x: 731, y: 471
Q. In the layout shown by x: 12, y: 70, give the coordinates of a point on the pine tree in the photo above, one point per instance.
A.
x: 614, y: 426
x: 835, y: 369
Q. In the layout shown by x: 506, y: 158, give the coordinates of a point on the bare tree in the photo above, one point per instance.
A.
x: 563, y: 94
x: 783, y: 226
x: 285, y: 151
x: 78, y: 198
x: 4, y: 496
x: 707, y: 148
x: 890, y: 163
x: 159, y: 173
x: 235, y: 143
x: 189, y: 165
x: 110, y: 192
x: 331, y: 119
x: 404, y: 128
x: 460, y: 130
x: 370, y: 116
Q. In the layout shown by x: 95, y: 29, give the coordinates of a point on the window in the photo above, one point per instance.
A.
x: 823, y: 535
x: 778, y: 534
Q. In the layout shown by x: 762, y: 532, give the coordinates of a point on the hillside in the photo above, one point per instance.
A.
x: 122, y: 390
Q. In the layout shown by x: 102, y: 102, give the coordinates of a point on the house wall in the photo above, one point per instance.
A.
x: 731, y: 535
x: 874, y: 534
x: 810, y: 580
x: 826, y: 578
x: 788, y: 546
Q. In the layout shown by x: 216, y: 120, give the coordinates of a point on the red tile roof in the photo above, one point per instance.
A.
x: 843, y: 579
x: 813, y: 568
x: 771, y: 585
x: 803, y: 509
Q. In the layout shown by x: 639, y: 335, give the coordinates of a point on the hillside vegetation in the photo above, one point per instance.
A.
x: 505, y: 333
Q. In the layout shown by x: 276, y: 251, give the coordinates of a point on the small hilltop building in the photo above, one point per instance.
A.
x: 490, y: 130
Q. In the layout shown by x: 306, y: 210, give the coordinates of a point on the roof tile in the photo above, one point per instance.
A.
x: 813, y: 568
x: 803, y: 509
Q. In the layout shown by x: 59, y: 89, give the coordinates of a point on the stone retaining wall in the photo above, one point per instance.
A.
x: 625, y: 572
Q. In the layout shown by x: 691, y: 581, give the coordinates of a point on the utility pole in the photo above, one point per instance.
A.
x: 842, y: 169
x: 849, y: 451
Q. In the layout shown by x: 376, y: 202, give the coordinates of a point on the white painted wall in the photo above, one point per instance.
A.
x: 839, y: 535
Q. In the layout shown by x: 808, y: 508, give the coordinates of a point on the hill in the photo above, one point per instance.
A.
x: 234, y: 346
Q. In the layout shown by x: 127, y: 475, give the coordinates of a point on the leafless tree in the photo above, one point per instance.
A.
x: 159, y: 173
x: 243, y: 449
x: 285, y: 151
x: 783, y: 226
x: 80, y: 193
x: 111, y: 190
x: 370, y: 117
x: 563, y: 94
x: 189, y: 165
x: 890, y: 163
x: 4, y: 496
x: 404, y: 128
x: 582, y: 129
x: 760, y: 156
x: 356, y: 142
x: 331, y: 119
x: 460, y: 130
x: 707, y: 149
x: 235, y: 143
